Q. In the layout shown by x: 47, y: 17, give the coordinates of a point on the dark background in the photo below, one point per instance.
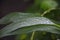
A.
x: 7, y: 6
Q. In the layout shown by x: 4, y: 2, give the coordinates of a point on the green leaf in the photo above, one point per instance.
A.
x: 16, y: 16
x: 24, y: 23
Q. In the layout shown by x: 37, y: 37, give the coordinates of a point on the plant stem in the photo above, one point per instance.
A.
x: 32, y: 37
x: 47, y: 11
